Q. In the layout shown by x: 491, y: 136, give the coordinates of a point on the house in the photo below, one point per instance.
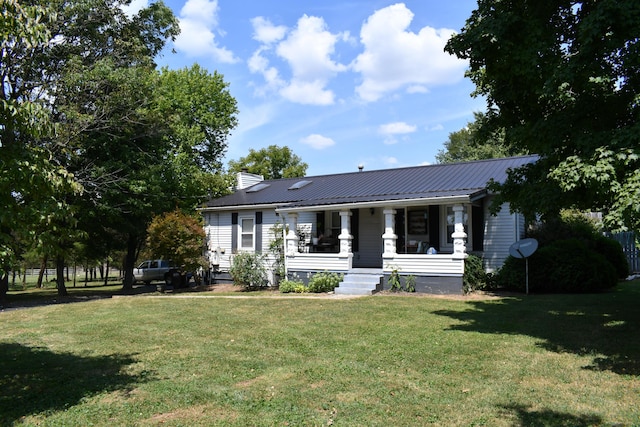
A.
x: 421, y: 221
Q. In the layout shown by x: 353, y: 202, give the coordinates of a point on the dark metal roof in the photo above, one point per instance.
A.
x: 418, y: 182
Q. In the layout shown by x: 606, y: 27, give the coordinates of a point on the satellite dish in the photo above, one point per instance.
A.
x: 523, y: 248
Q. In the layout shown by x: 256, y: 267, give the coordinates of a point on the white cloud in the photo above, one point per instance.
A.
x: 317, y: 141
x: 265, y: 32
x: 435, y: 128
x: 198, y: 21
x: 134, y: 7
x: 417, y: 89
x: 390, y: 161
x: 308, y: 93
x: 395, y: 57
x: 390, y: 130
x: 396, y: 128
x: 307, y: 49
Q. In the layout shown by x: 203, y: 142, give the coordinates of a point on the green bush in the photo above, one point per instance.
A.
x: 570, y: 266
x: 324, y: 282
x: 613, y: 252
x: 573, y: 256
x: 288, y: 286
x: 474, y: 278
x: 248, y: 270
x: 410, y: 283
x: 563, y: 266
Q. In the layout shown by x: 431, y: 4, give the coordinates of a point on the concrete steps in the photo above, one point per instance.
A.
x: 360, y: 282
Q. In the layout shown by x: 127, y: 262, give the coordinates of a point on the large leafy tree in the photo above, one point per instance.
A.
x: 562, y: 78
x: 30, y: 176
x: 273, y: 162
x: 200, y: 114
x: 102, y: 102
x: 470, y: 143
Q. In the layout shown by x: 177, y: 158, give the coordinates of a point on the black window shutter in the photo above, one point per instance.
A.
x: 434, y: 227
x: 477, y: 228
x: 258, y: 236
x: 234, y: 231
x: 355, y: 228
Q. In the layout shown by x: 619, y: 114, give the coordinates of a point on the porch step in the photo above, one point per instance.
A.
x: 360, y: 282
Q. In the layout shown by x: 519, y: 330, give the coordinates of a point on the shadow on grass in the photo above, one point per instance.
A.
x: 604, y: 325
x: 36, y: 380
x: 549, y: 418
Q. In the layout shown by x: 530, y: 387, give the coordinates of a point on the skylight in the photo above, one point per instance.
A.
x: 300, y: 184
x: 258, y: 187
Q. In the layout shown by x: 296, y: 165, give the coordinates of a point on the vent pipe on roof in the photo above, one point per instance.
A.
x: 360, y: 167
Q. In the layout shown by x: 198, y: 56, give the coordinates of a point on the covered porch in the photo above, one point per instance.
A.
x: 423, y: 238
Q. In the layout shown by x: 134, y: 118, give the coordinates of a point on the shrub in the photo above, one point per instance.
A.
x: 287, y: 286
x: 410, y: 283
x: 394, y: 280
x: 248, y: 270
x: 573, y: 256
x: 300, y: 289
x: 570, y: 266
x: 562, y: 266
x: 474, y: 278
x: 324, y: 282
x: 613, y: 252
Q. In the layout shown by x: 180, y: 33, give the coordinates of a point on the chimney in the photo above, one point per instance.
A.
x: 245, y: 179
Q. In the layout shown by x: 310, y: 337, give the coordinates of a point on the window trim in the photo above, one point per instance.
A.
x: 242, y: 233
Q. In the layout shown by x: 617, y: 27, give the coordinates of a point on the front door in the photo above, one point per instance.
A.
x: 368, y: 228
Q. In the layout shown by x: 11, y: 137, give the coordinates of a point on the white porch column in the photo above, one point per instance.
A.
x: 292, y: 236
x: 345, y: 236
x: 389, y: 237
x: 459, y: 236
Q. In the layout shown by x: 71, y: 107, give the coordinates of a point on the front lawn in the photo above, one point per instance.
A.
x: 539, y: 360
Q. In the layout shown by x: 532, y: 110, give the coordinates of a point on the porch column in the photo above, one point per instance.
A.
x: 459, y: 236
x: 389, y: 237
x: 345, y: 236
x: 292, y: 236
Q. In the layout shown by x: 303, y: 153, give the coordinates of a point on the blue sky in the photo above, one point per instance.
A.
x: 340, y: 82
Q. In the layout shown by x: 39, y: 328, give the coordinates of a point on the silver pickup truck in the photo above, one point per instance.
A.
x: 152, y: 270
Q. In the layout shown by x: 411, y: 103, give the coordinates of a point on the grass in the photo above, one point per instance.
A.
x: 538, y: 360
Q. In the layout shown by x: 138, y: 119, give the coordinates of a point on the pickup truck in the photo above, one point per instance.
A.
x: 152, y: 270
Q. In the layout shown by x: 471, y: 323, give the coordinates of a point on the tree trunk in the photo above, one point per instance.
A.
x: 43, y: 268
x: 62, y: 289
x: 4, y: 288
x: 129, y: 261
x: 106, y: 275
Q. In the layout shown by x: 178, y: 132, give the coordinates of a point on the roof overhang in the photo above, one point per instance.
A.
x: 308, y: 206
x: 377, y: 204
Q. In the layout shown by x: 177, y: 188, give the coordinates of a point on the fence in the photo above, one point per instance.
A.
x: 628, y: 242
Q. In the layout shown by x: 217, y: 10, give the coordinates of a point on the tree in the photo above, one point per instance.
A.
x: 102, y: 102
x: 200, y: 113
x: 470, y: 143
x: 178, y: 237
x: 273, y: 162
x: 562, y: 78
x: 30, y: 176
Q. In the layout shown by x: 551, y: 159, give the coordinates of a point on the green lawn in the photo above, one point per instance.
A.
x: 539, y: 360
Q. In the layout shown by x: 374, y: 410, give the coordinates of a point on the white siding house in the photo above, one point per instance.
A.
x: 422, y: 221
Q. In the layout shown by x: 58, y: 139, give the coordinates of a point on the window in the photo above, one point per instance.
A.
x: 449, y: 224
x: 246, y: 232
x: 336, y: 227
